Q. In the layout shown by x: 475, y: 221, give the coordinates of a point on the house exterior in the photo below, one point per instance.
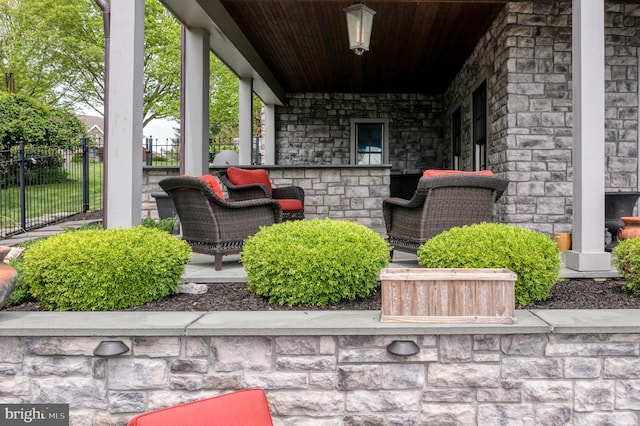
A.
x: 95, y: 126
x: 547, y: 97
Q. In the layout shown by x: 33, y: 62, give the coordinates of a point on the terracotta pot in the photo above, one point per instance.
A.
x: 563, y: 241
x: 631, y: 228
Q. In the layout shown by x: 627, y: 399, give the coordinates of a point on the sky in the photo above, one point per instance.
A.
x: 160, y: 129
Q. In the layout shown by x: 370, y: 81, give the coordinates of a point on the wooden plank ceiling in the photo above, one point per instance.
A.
x: 416, y: 46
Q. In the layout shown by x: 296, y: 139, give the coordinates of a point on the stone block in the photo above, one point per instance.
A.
x: 547, y: 391
x: 594, y: 396
x: 507, y: 414
x: 531, y: 368
x: 137, y: 373
x: 276, y: 380
x: 448, y: 414
x: 256, y: 353
x: 463, y: 375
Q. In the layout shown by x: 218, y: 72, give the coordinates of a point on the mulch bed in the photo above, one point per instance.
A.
x: 566, y: 294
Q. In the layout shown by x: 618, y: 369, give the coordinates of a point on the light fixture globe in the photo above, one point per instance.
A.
x: 110, y: 348
x: 359, y: 23
x: 403, y: 348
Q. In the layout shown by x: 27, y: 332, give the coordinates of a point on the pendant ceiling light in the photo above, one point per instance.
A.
x: 359, y: 23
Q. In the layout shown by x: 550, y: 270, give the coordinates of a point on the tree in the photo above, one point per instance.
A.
x: 58, y: 57
x: 26, y: 119
x: 223, y: 105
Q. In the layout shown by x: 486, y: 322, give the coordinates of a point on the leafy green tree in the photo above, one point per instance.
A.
x: 223, y: 106
x: 27, y: 119
x: 54, y: 50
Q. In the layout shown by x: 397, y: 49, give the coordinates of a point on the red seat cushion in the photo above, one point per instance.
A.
x: 434, y: 172
x: 247, y: 177
x: 212, y: 183
x: 247, y: 407
x: 290, y: 205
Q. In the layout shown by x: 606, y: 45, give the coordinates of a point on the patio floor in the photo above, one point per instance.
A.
x: 201, y: 268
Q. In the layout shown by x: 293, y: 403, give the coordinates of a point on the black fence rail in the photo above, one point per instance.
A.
x: 158, y: 152
x: 42, y: 183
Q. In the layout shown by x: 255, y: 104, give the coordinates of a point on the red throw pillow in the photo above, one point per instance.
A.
x: 434, y: 172
x: 248, y: 176
x: 212, y: 183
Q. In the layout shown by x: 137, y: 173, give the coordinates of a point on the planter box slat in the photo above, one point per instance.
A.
x: 448, y: 295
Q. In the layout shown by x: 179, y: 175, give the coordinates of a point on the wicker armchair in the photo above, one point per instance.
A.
x: 215, y: 226
x: 285, y: 195
x: 440, y: 203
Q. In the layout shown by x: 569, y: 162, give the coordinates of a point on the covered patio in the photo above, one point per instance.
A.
x: 516, y: 87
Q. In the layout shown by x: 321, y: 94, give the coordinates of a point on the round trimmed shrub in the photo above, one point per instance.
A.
x: 97, y: 270
x: 533, y: 256
x: 314, y: 262
x: 626, y: 258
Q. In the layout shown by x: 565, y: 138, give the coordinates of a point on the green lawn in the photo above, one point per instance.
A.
x: 50, y: 199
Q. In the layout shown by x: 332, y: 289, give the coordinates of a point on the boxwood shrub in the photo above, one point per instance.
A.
x: 533, y: 256
x: 314, y: 262
x: 626, y: 258
x: 96, y: 269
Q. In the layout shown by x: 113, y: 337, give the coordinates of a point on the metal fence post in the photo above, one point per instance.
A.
x: 149, y: 151
x: 85, y: 174
x: 23, y: 201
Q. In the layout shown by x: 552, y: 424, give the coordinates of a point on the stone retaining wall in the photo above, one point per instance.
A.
x: 543, y: 379
x: 338, y: 192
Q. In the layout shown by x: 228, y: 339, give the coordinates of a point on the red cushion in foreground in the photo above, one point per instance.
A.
x: 433, y: 172
x: 212, y: 183
x: 248, y: 176
x: 247, y: 407
x: 290, y: 205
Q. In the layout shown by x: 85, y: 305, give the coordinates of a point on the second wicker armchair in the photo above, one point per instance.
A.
x: 440, y: 203
x: 247, y: 184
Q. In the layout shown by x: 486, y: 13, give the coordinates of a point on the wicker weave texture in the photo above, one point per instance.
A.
x: 438, y: 204
x: 249, y: 192
x: 215, y: 226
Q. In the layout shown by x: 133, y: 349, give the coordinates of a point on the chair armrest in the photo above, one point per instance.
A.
x: 251, y: 205
x: 416, y: 201
x: 289, y: 193
x: 243, y: 192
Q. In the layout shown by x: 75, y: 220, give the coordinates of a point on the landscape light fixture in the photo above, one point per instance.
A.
x: 359, y: 23
x: 110, y: 348
x: 403, y: 347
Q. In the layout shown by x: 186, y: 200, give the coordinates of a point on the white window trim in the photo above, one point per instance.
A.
x: 385, y: 137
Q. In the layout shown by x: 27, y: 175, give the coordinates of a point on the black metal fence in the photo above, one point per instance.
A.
x: 42, y: 183
x: 158, y: 152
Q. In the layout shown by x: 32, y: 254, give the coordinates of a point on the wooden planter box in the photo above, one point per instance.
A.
x: 448, y: 295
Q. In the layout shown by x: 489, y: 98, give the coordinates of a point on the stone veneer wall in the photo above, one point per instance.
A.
x: 337, y: 192
x: 314, y: 129
x: 526, y: 59
x: 550, y: 379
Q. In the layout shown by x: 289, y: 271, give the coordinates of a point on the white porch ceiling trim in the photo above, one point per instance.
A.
x: 229, y: 44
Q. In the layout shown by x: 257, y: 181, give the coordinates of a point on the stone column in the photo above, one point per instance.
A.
x: 588, y: 253
x: 196, y: 102
x: 269, y: 134
x: 245, y: 107
x: 125, y: 97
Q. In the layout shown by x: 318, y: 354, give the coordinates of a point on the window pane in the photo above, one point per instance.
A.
x: 369, y: 142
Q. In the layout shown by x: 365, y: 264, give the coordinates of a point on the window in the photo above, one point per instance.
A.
x: 480, y: 127
x: 456, y: 138
x: 369, y: 141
